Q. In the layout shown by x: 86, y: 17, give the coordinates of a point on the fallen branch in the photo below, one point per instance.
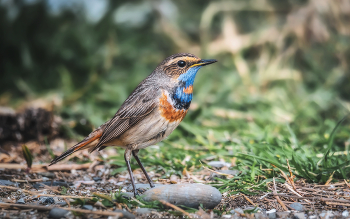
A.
x: 45, y: 208
x: 337, y: 203
x: 250, y: 201
x: 278, y: 198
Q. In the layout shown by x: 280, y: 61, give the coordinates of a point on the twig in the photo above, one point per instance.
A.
x: 314, y: 198
x: 329, y: 179
x: 45, y: 208
x: 23, y: 190
x: 250, y: 201
x: 278, y: 198
x: 337, y: 203
x: 175, y: 207
x: 25, y: 180
x: 347, y: 183
x: 335, y: 184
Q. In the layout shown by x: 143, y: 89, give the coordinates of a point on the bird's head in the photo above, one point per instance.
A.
x: 183, y: 67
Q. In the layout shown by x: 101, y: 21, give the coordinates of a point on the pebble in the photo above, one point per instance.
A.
x: 88, y: 207
x: 190, y: 195
x: 297, y: 206
x: 57, y: 213
x: 47, y: 200
x: 271, y: 214
x: 127, y: 195
x: 20, y: 201
x: 345, y: 214
x: 97, y: 179
x: 218, y: 164
x: 63, y: 203
x: 215, y: 175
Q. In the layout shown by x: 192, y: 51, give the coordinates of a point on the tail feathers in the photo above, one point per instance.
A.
x: 88, y: 142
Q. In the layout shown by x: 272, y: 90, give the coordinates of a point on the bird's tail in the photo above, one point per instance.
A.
x: 89, y: 142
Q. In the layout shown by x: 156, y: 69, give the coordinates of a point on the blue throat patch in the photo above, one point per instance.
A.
x: 183, y: 100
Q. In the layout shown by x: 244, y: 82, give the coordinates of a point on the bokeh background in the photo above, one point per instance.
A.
x: 282, y: 78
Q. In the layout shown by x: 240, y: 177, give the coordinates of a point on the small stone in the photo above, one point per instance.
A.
x: 259, y: 216
x: 20, y: 201
x: 144, y: 210
x: 345, y: 214
x: 297, y: 206
x: 63, y: 203
x: 299, y: 215
x: 57, y: 213
x: 271, y: 214
x: 87, y: 207
x: 226, y: 216
x: 218, y: 164
x: 97, y: 179
x: 47, y: 200
x: 126, y: 214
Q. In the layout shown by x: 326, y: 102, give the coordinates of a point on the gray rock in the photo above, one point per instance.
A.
x: 297, y: 206
x: 216, y: 175
x: 47, y: 200
x: 63, y: 203
x: 6, y: 183
x: 97, y: 179
x: 190, y: 195
x: 271, y: 214
x: 20, y: 201
x: 142, y: 187
x: 218, y: 164
x: 126, y: 214
x: 57, y: 213
x: 87, y: 207
x: 345, y: 214
x: 299, y: 215
x: 144, y: 210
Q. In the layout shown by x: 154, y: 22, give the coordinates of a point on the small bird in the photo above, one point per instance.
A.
x: 151, y: 112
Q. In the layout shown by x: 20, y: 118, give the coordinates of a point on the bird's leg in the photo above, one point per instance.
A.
x: 127, y: 157
x: 135, y: 153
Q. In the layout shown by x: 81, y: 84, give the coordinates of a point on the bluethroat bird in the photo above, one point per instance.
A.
x: 151, y: 112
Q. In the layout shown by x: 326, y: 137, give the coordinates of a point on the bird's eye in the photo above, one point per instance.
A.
x: 181, y: 63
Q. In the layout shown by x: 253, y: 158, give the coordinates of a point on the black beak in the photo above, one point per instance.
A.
x: 206, y: 62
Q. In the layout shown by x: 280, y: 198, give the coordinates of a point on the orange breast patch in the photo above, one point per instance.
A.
x: 188, y: 90
x: 168, y: 111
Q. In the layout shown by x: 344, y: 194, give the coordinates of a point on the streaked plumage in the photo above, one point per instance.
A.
x: 151, y: 112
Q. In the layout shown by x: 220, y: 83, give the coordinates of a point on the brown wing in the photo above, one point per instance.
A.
x: 136, y: 107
